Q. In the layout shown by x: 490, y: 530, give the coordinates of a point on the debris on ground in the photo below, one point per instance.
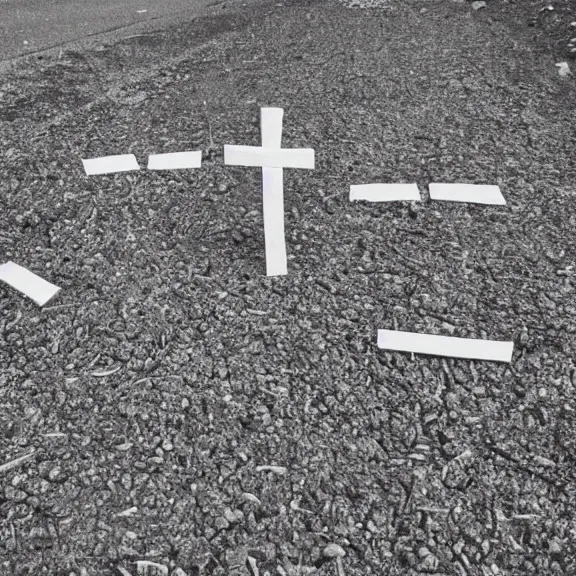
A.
x: 563, y: 68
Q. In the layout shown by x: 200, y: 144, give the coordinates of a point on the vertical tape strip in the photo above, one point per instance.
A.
x: 273, y: 195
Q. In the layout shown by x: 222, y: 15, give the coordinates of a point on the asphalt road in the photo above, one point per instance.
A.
x: 29, y: 26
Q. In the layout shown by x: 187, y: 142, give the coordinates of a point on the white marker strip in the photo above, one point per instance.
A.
x: 28, y: 283
x: 175, y: 160
x: 478, y: 194
x: 384, y: 192
x: 110, y: 164
x: 269, y: 157
x: 273, y: 195
x: 445, y: 346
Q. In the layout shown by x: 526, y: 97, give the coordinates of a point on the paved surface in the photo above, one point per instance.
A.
x: 28, y: 26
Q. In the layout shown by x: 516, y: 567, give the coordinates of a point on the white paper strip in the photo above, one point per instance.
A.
x: 445, y: 346
x: 273, y: 195
x: 384, y: 192
x: 175, y: 160
x: 109, y: 164
x: 476, y: 193
x: 28, y: 283
x: 269, y: 157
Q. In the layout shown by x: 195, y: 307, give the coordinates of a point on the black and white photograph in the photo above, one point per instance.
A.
x: 287, y: 287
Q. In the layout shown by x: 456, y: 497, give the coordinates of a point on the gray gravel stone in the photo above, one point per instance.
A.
x: 334, y: 551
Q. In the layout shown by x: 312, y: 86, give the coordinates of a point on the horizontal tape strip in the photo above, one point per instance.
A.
x: 110, y: 164
x: 384, y: 192
x: 175, y: 160
x: 269, y: 157
x: 474, y: 193
x: 445, y: 346
x: 28, y: 283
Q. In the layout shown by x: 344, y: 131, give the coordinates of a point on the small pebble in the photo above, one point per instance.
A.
x: 221, y: 523
x: 334, y: 551
x: 542, y: 461
x: 230, y: 516
x: 54, y: 474
x: 249, y: 497
x: 15, y: 495
x: 276, y: 469
x: 555, y: 547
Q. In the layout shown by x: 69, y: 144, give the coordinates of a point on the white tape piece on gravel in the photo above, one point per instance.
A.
x: 175, y: 160
x: 28, y: 283
x: 269, y: 157
x: 273, y: 195
x: 110, y: 164
x: 474, y: 193
x: 430, y: 344
x: 384, y: 192
x: 272, y: 159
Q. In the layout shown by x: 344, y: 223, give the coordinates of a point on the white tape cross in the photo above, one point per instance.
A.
x: 272, y: 159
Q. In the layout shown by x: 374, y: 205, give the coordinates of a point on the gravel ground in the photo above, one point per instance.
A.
x: 553, y: 21
x: 178, y: 406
